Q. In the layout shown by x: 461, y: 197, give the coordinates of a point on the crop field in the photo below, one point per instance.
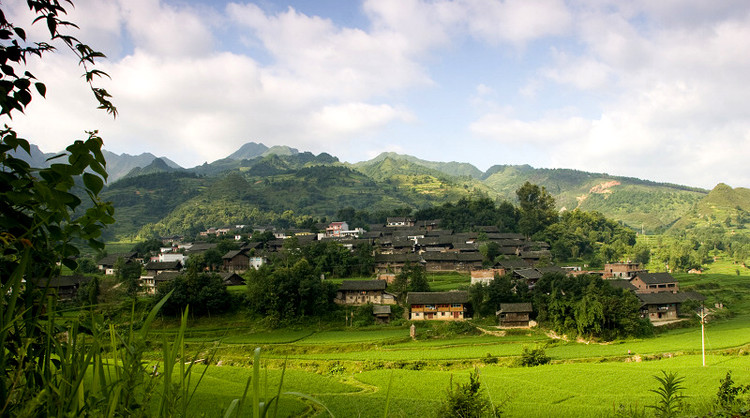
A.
x: 356, y: 371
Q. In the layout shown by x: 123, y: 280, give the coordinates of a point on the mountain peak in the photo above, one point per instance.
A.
x: 248, y: 151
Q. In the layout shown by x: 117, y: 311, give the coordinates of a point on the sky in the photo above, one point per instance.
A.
x: 658, y: 90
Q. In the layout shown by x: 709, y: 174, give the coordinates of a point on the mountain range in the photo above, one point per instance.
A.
x: 258, y: 184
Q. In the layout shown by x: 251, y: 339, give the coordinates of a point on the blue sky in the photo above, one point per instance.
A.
x: 655, y: 90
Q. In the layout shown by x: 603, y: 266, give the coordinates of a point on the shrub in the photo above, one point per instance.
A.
x: 534, y: 357
x: 468, y: 400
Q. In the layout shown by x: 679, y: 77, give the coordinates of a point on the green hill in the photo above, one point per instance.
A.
x: 284, y: 186
x: 722, y: 205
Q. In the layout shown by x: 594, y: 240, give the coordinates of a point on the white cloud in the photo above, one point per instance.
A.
x: 353, y: 119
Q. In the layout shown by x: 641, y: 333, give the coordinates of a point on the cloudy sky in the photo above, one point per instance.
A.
x: 649, y: 89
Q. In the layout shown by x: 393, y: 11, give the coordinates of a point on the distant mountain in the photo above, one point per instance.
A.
x: 37, y: 158
x: 158, y: 165
x: 248, y: 151
x: 258, y: 184
x: 452, y: 168
x: 119, y: 166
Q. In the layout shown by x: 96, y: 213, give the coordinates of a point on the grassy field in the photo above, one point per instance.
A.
x: 354, y: 371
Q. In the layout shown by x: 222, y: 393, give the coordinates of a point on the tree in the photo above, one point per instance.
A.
x: 41, y: 216
x: 204, y: 293
x: 537, y: 209
x: 128, y: 274
x: 412, y: 278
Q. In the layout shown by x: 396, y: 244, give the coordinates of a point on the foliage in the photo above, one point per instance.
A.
x: 728, y: 397
x: 412, y: 278
x: 469, y: 212
x: 486, y: 298
x: 128, y: 274
x: 588, y: 236
x: 467, y: 400
x: 669, y: 402
x: 289, y: 292
x: 588, y: 306
x: 531, y: 357
x: 205, y: 293
x: 536, y: 208
x: 40, y: 219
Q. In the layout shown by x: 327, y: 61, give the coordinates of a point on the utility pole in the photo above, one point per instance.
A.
x: 703, y: 316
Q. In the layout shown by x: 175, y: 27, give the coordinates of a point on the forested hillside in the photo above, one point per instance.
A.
x: 280, y: 185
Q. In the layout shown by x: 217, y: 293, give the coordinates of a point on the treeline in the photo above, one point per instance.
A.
x: 584, y: 305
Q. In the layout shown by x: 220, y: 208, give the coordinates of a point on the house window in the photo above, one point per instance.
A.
x: 457, y: 305
x: 432, y: 307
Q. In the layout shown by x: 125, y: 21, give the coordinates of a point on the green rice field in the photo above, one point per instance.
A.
x: 356, y: 372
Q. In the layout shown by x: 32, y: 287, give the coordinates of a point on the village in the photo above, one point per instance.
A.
x: 401, y: 242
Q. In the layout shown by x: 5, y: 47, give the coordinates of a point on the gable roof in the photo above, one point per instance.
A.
x: 111, y: 259
x: 622, y: 284
x: 164, y: 265
x: 515, y: 307
x: 231, y: 254
x: 528, y: 273
x: 166, y: 276
x: 655, y: 278
x: 421, y: 298
x: 359, y: 285
x: 666, y: 297
x: 229, y: 278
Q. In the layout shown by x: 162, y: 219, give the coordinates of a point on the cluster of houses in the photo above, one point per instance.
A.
x: 401, y: 241
x: 659, y: 293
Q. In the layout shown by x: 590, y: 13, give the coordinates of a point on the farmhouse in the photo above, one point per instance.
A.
x: 107, y: 263
x: 664, y: 306
x: 622, y: 270
x: 440, y: 306
x: 516, y: 315
x: 361, y: 292
x: 155, y: 267
x: 655, y: 283
x: 64, y: 287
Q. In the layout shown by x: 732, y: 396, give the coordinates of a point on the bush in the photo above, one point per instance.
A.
x: 467, y: 400
x: 534, y: 357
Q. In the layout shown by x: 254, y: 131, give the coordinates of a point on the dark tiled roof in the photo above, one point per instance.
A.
x: 230, y: 278
x: 62, y: 281
x: 656, y: 278
x: 666, y: 297
x: 421, y: 298
x: 110, y: 259
x: 622, y: 284
x: 166, y: 276
x: 358, y: 285
x: 515, y: 307
x: 231, y: 254
x: 528, y: 273
x: 513, y: 264
x: 396, y: 258
x: 200, y: 247
x: 164, y: 265
x: 552, y: 269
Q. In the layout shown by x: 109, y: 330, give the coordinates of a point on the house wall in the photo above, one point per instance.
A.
x: 514, y: 319
x: 240, y: 262
x: 364, y: 297
x: 485, y: 276
x: 656, y: 313
x: 442, y: 312
x: 654, y: 288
